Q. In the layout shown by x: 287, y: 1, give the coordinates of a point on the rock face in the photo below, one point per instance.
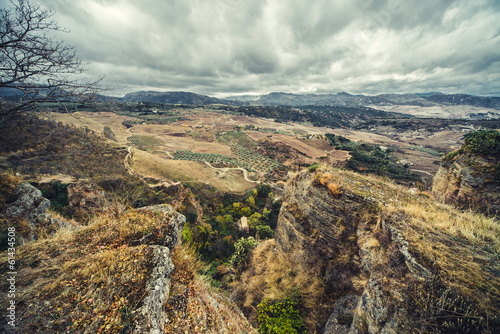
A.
x: 341, y: 319
x: 150, y: 315
x: 329, y: 233
x: 468, y: 179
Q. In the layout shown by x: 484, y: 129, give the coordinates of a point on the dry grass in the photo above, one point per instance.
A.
x: 468, y: 224
x: 272, y: 276
x: 461, y: 247
x: 328, y: 180
x: 195, y: 307
x: 88, y: 280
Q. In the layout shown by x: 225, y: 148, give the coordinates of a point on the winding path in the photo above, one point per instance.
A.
x: 168, y: 153
x: 126, y: 161
x: 421, y: 171
x: 225, y: 169
x: 245, y: 175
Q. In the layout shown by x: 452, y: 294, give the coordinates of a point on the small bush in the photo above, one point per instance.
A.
x: 264, y: 232
x: 451, y: 155
x: 279, y: 317
x: 313, y: 167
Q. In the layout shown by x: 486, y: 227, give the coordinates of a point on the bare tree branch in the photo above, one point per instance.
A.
x: 34, y: 63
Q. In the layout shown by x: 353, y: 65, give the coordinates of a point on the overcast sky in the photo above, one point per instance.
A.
x: 223, y: 47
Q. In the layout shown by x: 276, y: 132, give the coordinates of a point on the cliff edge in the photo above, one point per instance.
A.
x: 470, y: 176
x: 367, y: 256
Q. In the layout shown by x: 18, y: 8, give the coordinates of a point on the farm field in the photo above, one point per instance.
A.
x: 188, y: 172
x: 237, y: 141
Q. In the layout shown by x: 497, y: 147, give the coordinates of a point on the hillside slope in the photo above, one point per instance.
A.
x: 174, y: 98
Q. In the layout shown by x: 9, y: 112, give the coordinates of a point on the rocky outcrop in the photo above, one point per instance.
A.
x: 172, y: 231
x: 363, y: 262
x: 469, y: 179
x: 343, y: 314
x: 108, y: 133
x: 28, y: 205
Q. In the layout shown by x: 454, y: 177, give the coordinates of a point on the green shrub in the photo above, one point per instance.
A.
x: 264, y: 232
x: 187, y: 235
x: 279, y: 317
x: 242, y: 248
x: 451, y: 155
x: 483, y: 142
x: 313, y: 167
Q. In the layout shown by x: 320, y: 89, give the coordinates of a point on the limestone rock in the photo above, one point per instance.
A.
x: 343, y: 313
x: 378, y: 310
x: 468, y: 179
x: 172, y: 236
x: 151, y: 317
x: 31, y: 206
x: 329, y: 235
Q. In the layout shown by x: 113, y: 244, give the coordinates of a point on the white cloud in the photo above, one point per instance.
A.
x: 226, y: 46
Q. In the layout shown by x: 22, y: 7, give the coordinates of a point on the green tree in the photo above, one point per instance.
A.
x: 254, y: 220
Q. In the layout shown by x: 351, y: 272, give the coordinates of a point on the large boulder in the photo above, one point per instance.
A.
x: 108, y: 133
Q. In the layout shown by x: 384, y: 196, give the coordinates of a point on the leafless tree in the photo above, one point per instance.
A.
x: 34, y: 63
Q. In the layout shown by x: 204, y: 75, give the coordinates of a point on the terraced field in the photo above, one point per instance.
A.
x: 235, y: 139
x: 202, y: 157
x: 144, y: 142
x: 243, y: 154
x: 253, y: 161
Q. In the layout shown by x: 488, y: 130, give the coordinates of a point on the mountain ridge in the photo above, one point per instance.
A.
x: 177, y: 97
x: 292, y: 99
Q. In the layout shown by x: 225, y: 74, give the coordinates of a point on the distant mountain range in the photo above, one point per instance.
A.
x: 346, y: 99
x: 288, y: 99
x: 174, y: 98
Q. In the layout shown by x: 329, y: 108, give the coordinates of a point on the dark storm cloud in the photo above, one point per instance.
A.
x: 235, y: 46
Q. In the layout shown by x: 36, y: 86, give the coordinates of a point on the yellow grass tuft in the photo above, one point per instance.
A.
x: 328, y: 180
